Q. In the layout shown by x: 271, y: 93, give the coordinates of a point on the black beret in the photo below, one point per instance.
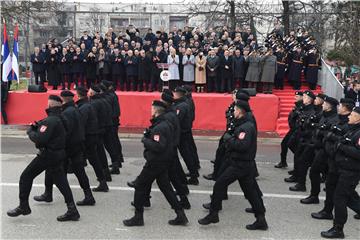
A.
x: 106, y: 83
x: 188, y: 88
x: 334, y: 102
x: 243, y: 91
x: 243, y: 105
x: 347, y: 101
x: 357, y: 110
x: 299, y: 93
x: 95, y: 88
x: 66, y: 93
x: 167, y: 97
x: 321, y: 95
x: 82, y: 91
x: 310, y: 94
x: 242, y: 96
x: 180, y: 89
x: 55, y: 98
x: 157, y: 103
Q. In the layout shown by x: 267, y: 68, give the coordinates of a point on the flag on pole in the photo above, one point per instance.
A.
x: 15, y: 55
x: 6, y: 60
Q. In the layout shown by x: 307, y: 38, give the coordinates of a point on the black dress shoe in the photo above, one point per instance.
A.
x: 291, y: 179
x: 334, y: 232
x: 298, y: 188
x: 322, y: 215
x: 209, y: 177
x: 281, y: 165
x: 212, y: 217
x: 20, y: 210
x: 310, y: 200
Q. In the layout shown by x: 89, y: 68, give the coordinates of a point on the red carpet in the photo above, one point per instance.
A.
x: 24, y: 108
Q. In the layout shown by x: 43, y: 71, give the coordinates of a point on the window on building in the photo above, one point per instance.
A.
x: 140, y: 22
x: 43, y: 20
x: 119, y: 22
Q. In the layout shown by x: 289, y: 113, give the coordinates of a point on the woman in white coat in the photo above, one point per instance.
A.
x: 173, y: 61
x: 188, y: 62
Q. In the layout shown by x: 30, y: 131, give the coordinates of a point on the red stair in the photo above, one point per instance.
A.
x: 286, y: 104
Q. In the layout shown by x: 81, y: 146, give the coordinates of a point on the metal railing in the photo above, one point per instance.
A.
x: 329, y: 83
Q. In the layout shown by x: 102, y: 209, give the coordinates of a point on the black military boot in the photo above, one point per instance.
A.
x: 184, y: 201
x: 72, y: 214
x: 131, y: 184
x: 45, y: 197
x: 249, y: 210
x: 335, y: 232
x: 193, y: 181
x: 209, y: 176
x: 107, y: 175
x: 259, y: 224
x: 22, y: 209
x: 208, y: 205
x: 136, y: 220
x: 298, y: 188
x: 103, y: 187
x: 212, y: 217
x: 291, y: 179
x: 281, y: 165
x: 88, y: 200
x: 115, y: 168
x: 322, y: 215
x: 180, y: 219
x: 310, y: 200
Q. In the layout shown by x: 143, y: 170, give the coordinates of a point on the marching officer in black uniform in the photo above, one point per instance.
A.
x: 89, y: 120
x: 74, y: 160
x: 241, y: 147
x: 347, y: 157
x: 303, y: 136
x: 158, y: 152
x: 319, y: 164
x: 330, y: 140
x: 289, y: 142
x: 184, y: 113
x: 112, y: 98
x: 104, y: 116
x: 49, y: 136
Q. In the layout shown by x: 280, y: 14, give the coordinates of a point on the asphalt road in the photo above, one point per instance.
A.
x: 287, y: 218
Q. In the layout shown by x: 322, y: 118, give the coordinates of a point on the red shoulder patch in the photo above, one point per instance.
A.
x: 43, y: 128
x: 242, y: 135
x: 157, y: 138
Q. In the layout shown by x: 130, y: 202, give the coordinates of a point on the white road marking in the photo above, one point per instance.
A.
x: 206, y: 192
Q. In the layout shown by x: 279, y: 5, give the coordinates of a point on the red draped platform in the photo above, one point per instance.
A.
x: 23, y: 108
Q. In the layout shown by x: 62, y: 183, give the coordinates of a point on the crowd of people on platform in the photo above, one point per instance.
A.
x: 211, y: 61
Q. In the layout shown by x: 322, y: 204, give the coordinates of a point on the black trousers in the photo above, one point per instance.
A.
x: 219, y: 158
x: 101, y: 151
x: 227, y: 84
x: 156, y: 83
x: 148, y: 175
x: 279, y: 82
x: 245, y: 175
x: 40, y: 75
x: 318, y: 166
x: 304, y: 161
x: 285, y: 146
x: 186, y: 149
x: 3, y: 112
x: 194, y: 151
x: 110, y: 144
x: 345, y: 187
x: 35, y: 168
x: 92, y: 155
x: 77, y: 164
x: 211, y: 83
x: 331, y: 182
x: 117, y: 140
